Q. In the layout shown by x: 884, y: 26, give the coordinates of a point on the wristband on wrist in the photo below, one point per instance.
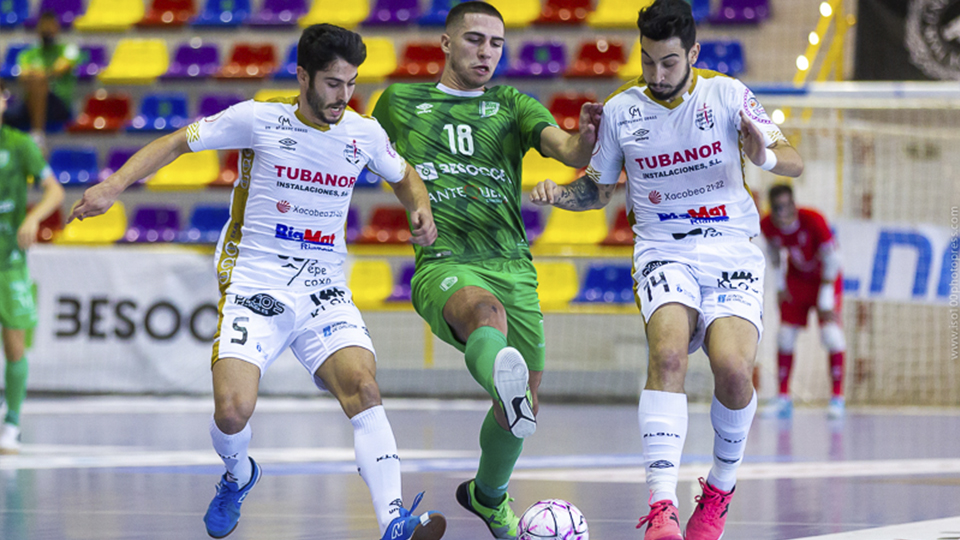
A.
x: 771, y: 160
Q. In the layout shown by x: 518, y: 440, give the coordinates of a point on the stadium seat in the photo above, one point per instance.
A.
x: 67, y: 11
x: 393, y: 13
x: 566, y: 106
x: 50, y: 226
x: 10, y: 69
x: 103, y: 112
x: 110, y: 16
x: 621, y: 234
x: 579, y: 228
x: 161, y: 113
x: 116, y: 159
x: 268, y: 94
x: 617, y: 13
x: 223, y: 13
x: 194, y: 170
x: 401, y: 289
x: 557, y: 283
x: 353, y: 225
x: 13, y: 13
x: 532, y: 222
x: 168, y: 13
x: 93, y: 60
x: 436, y: 14
x: 206, y: 222
x: 701, y: 9
x: 609, y: 284
x: 337, y: 12
x: 741, y: 12
x: 104, y: 229
x: 381, y: 60
x: 279, y: 13
x: 634, y: 67
x: 421, y: 61
x: 154, y: 224
x: 211, y: 104
x: 136, y: 61
x: 371, y: 282
x: 723, y: 56
x: 367, y: 180
x: 249, y: 61
x: 288, y: 70
x: 75, y: 166
x: 387, y: 226
x: 229, y: 171
x: 564, y: 12
x: 598, y: 58
x: 194, y: 61
x: 539, y: 59
x: 537, y: 168
x: 517, y: 13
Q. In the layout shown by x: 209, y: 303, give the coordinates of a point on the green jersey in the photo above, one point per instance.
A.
x: 467, y: 148
x: 43, y: 58
x: 20, y: 159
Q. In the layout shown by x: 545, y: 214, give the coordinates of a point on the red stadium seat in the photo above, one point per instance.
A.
x: 50, y: 226
x: 229, y: 170
x: 621, y: 234
x: 387, y: 226
x: 565, y: 107
x: 103, y: 112
x: 250, y: 61
x: 421, y: 61
x: 168, y: 13
x: 600, y: 58
x: 356, y: 103
x: 564, y: 12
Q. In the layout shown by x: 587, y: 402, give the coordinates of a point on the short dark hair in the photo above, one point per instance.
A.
x: 777, y: 191
x: 321, y: 44
x: 665, y: 19
x: 459, y: 12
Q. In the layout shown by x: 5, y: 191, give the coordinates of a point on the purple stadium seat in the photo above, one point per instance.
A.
x: 532, y: 222
x: 115, y: 159
x: 741, y: 12
x: 353, y: 225
x: 189, y: 62
x: 211, y: 104
x: 154, y: 224
x: 66, y: 10
x: 393, y: 13
x: 401, y: 289
x: 94, y: 60
x: 540, y: 60
x: 279, y: 13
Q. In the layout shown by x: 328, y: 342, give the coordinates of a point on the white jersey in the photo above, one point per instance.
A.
x: 683, y: 159
x: 289, y: 205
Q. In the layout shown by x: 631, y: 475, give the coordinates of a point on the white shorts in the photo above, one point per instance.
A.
x: 718, y: 279
x: 257, y: 325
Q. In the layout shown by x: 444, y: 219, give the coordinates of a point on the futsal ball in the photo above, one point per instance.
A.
x: 553, y: 519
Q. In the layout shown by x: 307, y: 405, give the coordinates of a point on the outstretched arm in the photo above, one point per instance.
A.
x: 414, y: 197
x: 573, y: 150
x: 579, y: 195
x: 786, y: 159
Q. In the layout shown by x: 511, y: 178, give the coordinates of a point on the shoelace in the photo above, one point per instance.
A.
x: 221, y: 501
x: 501, y: 513
x: 416, y: 501
x: 710, y: 499
x: 657, y: 510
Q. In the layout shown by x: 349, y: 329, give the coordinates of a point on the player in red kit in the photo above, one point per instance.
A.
x: 812, y: 280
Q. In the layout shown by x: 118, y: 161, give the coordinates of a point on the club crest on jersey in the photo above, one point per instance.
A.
x: 352, y: 153
x: 424, y: 108
x: 489, y: 108
x: 705, y: 119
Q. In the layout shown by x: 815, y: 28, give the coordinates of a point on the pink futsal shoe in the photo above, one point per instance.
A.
x: 663, y: 522
x: 710, y: 515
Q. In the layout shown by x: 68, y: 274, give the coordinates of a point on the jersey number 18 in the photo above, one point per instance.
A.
x: 460, y: 138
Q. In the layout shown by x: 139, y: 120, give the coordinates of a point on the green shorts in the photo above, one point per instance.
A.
x: 18, y: 304
x: 512, y: 281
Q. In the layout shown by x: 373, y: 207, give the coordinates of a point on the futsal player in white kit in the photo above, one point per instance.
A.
x: 280, y: 265
x: 683, y: 135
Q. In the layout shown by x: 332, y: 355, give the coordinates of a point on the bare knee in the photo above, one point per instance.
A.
x: 733, y: 379
x: 368, y: 391
x: 232, y: 413
x: 668, y: 369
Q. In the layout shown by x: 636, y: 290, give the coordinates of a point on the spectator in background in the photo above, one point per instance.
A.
x: 20, y: 160
x: 811, y: 280
x: 47, y: 80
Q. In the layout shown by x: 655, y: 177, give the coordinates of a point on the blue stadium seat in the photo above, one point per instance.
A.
x: 10, y: 69
x: 401, y: 289
x: 723, y: 56
x: 13, y: 13
x: 74, y: 166
x: 436, y: 14
x: 205, y: 224
x: 611, y: 284
x: 701, y: 9
x: 223, y: 13
x: 152, y: 224
x: 288, y: 70
x: 161, y: 113
x: 367, y: 180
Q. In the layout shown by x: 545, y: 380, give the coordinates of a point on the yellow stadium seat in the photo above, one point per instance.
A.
x: 337, y: 12
x: 372, y: 102
x: 136, y: 61
x: 272, y: 93
x: 517, y: 13
x: 537, y: 168
x: 576, y: 228
x: 557, y: 283
x: 617, y: 13
x: 371, y: 282
x: 634, y: 66
x: 381, y: 60
x: 110, y: 16
x: 189, y: 171
x: 105, y: 229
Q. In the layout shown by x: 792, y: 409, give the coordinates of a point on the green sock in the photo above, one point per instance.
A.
x: 499, y: 451
x: 16, y: 389
x: 481, y: 352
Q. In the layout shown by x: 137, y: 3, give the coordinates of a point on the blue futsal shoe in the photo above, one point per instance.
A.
x: 224, y: 510
x: 427, y: 526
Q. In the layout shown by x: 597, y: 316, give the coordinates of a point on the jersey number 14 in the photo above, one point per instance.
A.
x: 460, y: 138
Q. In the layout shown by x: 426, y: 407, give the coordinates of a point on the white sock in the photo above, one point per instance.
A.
x: 233, y: 452
x: 729, y: 442
x: 378, y: 462
x: 663, y: 426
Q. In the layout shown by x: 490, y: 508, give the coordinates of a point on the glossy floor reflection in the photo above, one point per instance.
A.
x: 110, y: 468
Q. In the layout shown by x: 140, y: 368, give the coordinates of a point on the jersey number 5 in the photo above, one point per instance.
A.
x: 460, y: 138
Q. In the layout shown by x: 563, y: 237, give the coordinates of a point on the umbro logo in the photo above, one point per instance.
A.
x: 424, y: 108
x: 642, y: 134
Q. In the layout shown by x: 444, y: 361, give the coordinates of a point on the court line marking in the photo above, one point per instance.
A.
x: 936, y: 529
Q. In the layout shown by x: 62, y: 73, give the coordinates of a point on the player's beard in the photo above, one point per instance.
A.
x: 673, y: 91
x: 319, y: 108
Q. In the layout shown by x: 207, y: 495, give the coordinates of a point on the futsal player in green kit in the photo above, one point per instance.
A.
x: 476, y: 285
x: 20, y: 159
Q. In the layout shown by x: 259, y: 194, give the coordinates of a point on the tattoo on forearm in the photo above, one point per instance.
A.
x: 582, y: 194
